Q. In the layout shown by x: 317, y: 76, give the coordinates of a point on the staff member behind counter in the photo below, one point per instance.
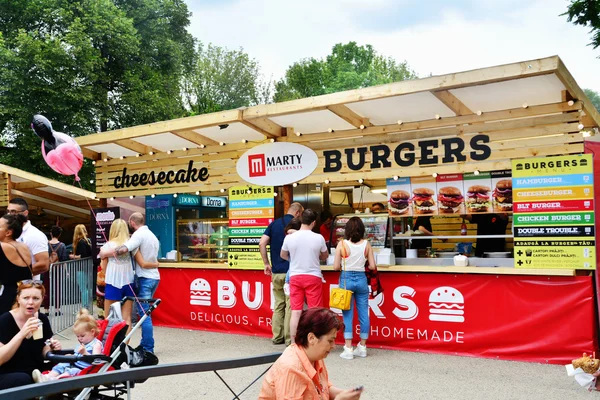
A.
x: 489, y: 224
x: 422, y: 224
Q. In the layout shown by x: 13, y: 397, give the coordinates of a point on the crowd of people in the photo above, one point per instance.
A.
x: 129, y: 263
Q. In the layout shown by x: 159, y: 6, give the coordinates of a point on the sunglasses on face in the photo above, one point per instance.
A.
x: 31, y: 282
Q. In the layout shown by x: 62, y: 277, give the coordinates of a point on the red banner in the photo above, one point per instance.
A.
x: 512, y: 317
x: 554, y: 206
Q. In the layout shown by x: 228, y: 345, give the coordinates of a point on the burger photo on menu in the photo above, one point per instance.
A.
x: 423, y: 201
x: 399, y: 202
x: 478, y: 199
x: 503, y: 196
x: 450, y: 199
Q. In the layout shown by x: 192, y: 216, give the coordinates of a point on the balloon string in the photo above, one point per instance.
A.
x: 106, y: 241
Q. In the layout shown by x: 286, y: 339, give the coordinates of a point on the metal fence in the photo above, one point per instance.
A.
x: 71, y: 288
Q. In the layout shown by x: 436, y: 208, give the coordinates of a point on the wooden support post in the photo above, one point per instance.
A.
x: 103, y: 203
x: 288, y: 197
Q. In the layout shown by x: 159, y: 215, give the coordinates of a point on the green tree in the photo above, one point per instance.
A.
x: 88, y: 65
x: 594, y: 98
x: 223, y: 79
x: 586, y: 13
x: 349, y: 66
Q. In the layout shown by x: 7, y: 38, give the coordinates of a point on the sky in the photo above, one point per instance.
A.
x: 433, y: 36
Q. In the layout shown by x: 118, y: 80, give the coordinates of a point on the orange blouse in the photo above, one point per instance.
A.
x: 294, y: 377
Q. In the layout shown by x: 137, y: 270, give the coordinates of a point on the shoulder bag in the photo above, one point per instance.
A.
x: 341, y: 298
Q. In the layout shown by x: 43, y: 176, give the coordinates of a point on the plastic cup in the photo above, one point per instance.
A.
x: 39, y: 332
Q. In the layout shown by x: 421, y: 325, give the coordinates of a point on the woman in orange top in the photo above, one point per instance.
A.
x: 300, y: 372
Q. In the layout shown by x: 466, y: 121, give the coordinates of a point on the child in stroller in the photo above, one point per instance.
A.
x: 86, y: 329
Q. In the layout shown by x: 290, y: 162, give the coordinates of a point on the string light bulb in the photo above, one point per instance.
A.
x: 92, y: 181
x: 295, y: 184
x: 399, y: 122
x: 153, y: 195
x: 438, y: 116
x: 202, y: 146
x: 570, y: 103
x: 137, y: 154
x: 222, y: 190
x: 169, y: 151
x: 434, y: 174
x: 221, y: 143
x: 476, y: 172
x: 362, y: 127
x: 111, y: 198
x: 131, y: 197
x: 106, y: 159
x: 330, y: 130
x: 298, y: 133
x: 93, y: 162
x: 479, y: 112
x: 175, y: 195
x: 525, y: 105
x: 122, y: 157
x: 327, y: 181
x: 361, y: 180
x: 244, y: 141
x: 580, y: 126
x: 185, y: 149
x: 396, y: 177
x: 197, y: 192
x: 274, y: 194
x: 272, y: 140
x: 151, y: 153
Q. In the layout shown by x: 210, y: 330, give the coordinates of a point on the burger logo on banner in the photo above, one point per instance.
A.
x: 276, y: 164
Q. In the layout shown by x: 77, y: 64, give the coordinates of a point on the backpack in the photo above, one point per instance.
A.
x: 53, y: 254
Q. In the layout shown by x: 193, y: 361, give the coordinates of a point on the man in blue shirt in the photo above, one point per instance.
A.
x: 277, y: 268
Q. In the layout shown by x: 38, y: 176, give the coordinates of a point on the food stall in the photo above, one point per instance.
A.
x: 472, y: 131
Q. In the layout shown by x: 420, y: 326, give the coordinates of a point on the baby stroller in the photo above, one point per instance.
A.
x: 117, y: 354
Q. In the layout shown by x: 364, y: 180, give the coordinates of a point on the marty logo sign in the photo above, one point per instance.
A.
x: 276, y: 164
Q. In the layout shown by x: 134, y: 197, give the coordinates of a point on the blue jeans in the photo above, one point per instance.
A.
x: 357, y: 282
x: 145, y: 288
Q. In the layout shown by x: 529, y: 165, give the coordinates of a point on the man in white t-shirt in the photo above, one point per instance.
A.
x: 35, y: 239
x: 304, y: 249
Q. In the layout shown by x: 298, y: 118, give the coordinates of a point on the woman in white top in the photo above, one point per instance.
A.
x: 119, y: 270
x: 353, y: 252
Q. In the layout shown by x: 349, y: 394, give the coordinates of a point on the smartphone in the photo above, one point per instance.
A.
x: 359, y: 388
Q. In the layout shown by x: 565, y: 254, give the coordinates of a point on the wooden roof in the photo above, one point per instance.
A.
x: 47, y: 195
x: 539, y: 97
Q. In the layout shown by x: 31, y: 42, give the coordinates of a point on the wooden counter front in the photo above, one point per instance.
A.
x: 415, y: 268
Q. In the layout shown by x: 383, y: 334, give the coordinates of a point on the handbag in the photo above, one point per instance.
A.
x: 341, y: 298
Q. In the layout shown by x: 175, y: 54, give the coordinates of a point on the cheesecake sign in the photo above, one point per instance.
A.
x: 275, y: 164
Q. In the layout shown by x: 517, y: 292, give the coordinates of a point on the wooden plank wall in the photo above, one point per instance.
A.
x: 525, y: 135
x: 4, y: 189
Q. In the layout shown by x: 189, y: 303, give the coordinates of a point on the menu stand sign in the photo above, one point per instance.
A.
x: 251, y: 210
x: 553, y: 216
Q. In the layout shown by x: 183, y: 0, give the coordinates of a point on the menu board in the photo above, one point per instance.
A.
x: 251, y: 210
x: 554, y: 212
x: 447, y: 194
x: 102, y: 219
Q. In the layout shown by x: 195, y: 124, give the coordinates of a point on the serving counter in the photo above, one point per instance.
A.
x: 539, y: 315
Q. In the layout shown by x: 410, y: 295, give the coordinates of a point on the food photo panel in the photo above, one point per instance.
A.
x: 450, y: 194
x: 478, y: 187
x: 502, y: 196
x: 399, y: 197
x: 424, y: 195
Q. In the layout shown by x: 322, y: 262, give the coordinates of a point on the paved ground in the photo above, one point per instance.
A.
x: 385, y: 374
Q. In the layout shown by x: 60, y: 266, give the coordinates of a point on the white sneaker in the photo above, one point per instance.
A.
x: 37, y: 376
x: 360, y: 351
x: 347, y: 353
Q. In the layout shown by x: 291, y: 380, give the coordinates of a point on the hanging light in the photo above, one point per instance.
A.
x: 153, y: 195
x: 396, y: 177
x: 197, y: 192
x: 175, y: 195
x: 434, y: 174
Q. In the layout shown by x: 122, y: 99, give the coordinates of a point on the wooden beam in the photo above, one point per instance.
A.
x: 349, y: 116
x: 36, y: 202
x: 567, y: 79
x: 188, y: 123
x: 91, y: 154
x: 53, y: 197
x: 264, y: 126
x: 27, y: 185
x: 39, y: 181
x: 483, y: 121
x: 452, y: 102
x: 135, y: 146
x: 195, y: 137
x: 476, y: 77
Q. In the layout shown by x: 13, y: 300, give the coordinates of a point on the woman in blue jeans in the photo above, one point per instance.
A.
x: 351, y: 255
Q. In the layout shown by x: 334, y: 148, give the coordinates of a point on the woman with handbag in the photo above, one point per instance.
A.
x: 351, y: 254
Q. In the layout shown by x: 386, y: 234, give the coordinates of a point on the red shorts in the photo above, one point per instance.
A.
x: 305, y: 285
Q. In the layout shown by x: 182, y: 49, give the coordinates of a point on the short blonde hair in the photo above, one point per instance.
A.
x: 85, y: 322
x: 119, y: 232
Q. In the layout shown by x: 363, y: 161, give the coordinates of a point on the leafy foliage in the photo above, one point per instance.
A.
x: 88, y: 65
x: 223, y: 79
x: 594, y: 98
x: 586, y: 13
x: 349, y: 66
